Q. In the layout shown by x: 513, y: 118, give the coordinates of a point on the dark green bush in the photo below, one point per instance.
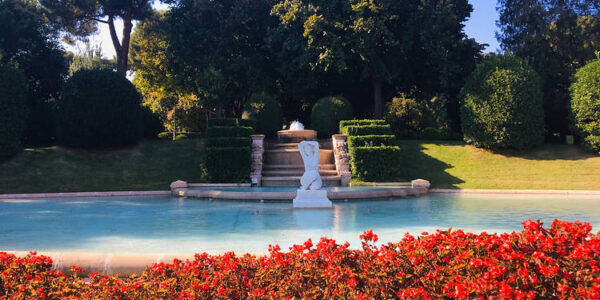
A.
x: 501, y: 104
x: 408, y: 134
x: 99, y: 108
x: 430, y: 133
x: 151, y: 123
x: 13, y: 111
x: 585, y: 104
x: 229, y: 142
x: 327, y: 113
x: 247, y: 123
x: 232, y: 122
x: 375, y: 163
x: 228, y: 164
x: 346, y: 123
x: 371, y: 141
x: 267, y: 114
x: 222, y: 122
x: 367, y: 130
x: 228, y: 131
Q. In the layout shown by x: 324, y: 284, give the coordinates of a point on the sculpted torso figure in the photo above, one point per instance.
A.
x: 310, y: 154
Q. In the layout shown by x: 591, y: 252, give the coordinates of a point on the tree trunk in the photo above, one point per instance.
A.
x: 377, y: 97
x: 121, y: 47
x: 174, y: 125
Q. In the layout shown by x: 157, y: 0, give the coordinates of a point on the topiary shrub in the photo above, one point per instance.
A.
x: 327, y: 113
x: 229, y: 142
x: 228, y: 131
x: 228, y: 164
x: 371, y: 140
x: 501, y: 104
x: 368, y: 130
x: 99, y: 108
x: 585, y: 104
x: 346, y: 123
x: 13, y: 111
x: 267, y: 114
x: 380, y: 163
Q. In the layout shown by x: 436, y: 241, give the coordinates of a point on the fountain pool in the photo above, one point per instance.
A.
x: 186, y: 225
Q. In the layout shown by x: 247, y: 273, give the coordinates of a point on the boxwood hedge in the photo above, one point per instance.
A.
x: 375, y: 163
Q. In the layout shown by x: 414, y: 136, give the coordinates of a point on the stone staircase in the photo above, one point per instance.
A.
x: 283, y: 165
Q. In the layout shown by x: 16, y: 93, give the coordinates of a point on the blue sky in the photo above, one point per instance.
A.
x: 481, y: 26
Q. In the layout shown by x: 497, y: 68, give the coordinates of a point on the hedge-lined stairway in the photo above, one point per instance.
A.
x: 283, y: 165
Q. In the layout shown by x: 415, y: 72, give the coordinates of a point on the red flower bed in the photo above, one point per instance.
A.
x: 537, y: 263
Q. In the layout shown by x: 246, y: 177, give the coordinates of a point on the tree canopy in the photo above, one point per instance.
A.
x: 557, y: 37
x: 29, y: 42
x: 80, y: 18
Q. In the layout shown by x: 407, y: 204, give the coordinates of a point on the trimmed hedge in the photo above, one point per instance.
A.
x: 327, y: 113
x: 346, y: 123
x: 502, y: 105
x: 229, y: 142
x: 367, y: 130
x: 13, y: 110
x: 228, y: 164
x: 99, y: 108
x: 371, y: 140
x: 585, y: 104
x: 375, y: 163
x: 222, y: 122
x: 267, y: 114
x: 228, y: 131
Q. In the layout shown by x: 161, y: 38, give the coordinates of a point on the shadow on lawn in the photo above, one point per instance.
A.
x: 549, y: 152
x: 417, y: 164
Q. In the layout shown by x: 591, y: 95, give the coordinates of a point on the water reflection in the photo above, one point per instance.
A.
x: 176, y: 225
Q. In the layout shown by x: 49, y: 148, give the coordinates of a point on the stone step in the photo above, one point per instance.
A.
x: 295, y: 180
x: 296, y: 167
x: 295, y: 172
x: 292, y: 157
x: 275, y: 146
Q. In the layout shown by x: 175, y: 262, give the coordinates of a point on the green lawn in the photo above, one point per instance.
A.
x: 152, y: 165
x: 456, y: 165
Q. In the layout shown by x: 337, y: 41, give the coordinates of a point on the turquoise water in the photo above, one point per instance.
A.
x: 177, y: 225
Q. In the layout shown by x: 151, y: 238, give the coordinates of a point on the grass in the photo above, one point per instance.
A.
x: 152, y: 165
x: 456, y: 165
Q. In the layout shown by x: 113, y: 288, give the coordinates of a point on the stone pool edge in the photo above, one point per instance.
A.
x: 85, y: 194
x: 516, y: 192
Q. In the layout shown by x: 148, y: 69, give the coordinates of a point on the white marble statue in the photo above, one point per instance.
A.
x: 310, y: 154
x: 296, y: 126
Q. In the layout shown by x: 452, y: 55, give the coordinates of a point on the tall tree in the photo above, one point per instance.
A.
x: 557, y: 37
x: 28, y: 41
x: 386, y: 40
x: 218, y: 49
x: 80, y: 18
x: 177, y: 108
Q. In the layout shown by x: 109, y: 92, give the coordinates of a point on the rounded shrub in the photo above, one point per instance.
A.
x: 501, y: 104
x: 13, y: 111
x: 267, y: 113
x: 99, y: 108
x: 404, y: 114
x: 585, y: 104
x: 327, y: 113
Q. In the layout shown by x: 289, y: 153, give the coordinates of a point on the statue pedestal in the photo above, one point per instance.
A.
x: 312, y: 199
